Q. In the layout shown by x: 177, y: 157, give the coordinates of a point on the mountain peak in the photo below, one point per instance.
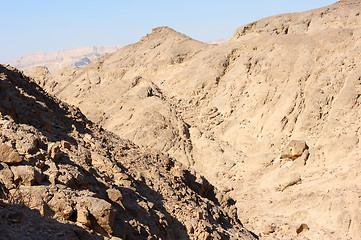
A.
x: 164, y: 32
x: 163, y: 29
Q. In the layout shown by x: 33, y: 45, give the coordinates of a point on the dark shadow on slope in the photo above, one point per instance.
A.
x: 151, y: 217
x: 134, y: 213
x: 21, y: 222
x: 27, y: 103
x: 202, y: 187
x: 254, y: 235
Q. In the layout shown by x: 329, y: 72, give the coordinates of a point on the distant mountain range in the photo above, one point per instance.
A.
x: 74, y: 57
x: 54, y: 61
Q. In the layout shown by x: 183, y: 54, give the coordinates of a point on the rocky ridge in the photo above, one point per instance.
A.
x: 237, y: 112
x: 93, y: 183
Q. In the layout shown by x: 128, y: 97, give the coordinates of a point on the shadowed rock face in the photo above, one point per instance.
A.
x: 230, y: 110
x: 21, y: 222
x: 73, y: 171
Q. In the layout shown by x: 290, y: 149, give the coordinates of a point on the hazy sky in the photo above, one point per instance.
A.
x: 50, y: 25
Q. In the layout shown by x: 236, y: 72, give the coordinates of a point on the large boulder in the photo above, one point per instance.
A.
x: 8, y: 154
x: 96, y: 212
x: 26, y: 175
x: 61, y: 205
x: 294, y: 149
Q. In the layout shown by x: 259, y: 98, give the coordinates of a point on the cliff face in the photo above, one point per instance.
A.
x: 93, y: 183
x: 231, y: 111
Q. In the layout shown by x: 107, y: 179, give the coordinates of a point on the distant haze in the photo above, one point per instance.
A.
x: 54, y: 61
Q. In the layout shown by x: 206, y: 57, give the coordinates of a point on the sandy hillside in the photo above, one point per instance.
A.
x: 54, y: 61
x: 231, y: 112
x: 91, y: 184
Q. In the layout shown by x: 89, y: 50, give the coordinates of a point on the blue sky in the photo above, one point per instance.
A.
x: 51, y: 25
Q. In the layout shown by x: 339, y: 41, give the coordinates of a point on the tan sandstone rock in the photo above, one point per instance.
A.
x: 61, y: 205
x: 25, y: 175
x: 294, y: 149
x: 54, y: 151
x: 6, y: 176
x: 8, y: 154
x: 100, y: 209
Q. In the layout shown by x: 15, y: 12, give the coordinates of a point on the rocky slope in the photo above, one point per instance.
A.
x: 54, y: 61
x: 231, y: 111
x: 93, y: 183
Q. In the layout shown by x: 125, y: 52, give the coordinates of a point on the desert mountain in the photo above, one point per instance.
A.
x: 54, y: 61
x: 271, y: 116
x: 93, y: 183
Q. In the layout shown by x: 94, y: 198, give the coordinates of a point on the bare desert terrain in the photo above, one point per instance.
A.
x: 254, y: 137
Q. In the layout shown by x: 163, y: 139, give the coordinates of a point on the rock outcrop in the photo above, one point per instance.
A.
x: 230, y: 110
x: 8, y: 154
x: 57, y: 162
